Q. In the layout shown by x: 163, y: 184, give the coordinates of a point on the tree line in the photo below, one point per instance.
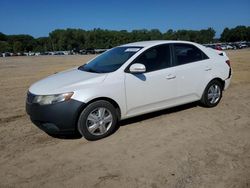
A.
x: 239, y: 33
x: 77, y: 39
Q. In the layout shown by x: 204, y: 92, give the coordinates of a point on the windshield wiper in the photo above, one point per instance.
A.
x: 83, y: 68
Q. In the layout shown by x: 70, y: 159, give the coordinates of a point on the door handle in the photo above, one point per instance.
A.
x: 170, y: 76
x: 208, y: 68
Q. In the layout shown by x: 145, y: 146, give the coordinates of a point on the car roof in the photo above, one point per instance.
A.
x: 155, y: 42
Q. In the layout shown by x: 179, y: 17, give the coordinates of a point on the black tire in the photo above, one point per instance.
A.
x: 82, y: 124
x: 205, y: 100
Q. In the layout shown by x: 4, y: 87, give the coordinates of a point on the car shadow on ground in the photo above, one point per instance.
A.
x: 133, y: 120
x: 68, y: 136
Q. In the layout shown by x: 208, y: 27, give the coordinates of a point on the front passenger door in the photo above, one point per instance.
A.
x: 156, y: 88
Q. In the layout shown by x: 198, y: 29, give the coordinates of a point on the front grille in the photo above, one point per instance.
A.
x: 30, y: 97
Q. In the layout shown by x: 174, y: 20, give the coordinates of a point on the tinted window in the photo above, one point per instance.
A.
x: 111, y: 60
x: 186, y: 53
x: 155, y: 58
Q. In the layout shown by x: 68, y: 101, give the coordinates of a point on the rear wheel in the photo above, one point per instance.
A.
x: 212, y: 94
x: 97, y: 120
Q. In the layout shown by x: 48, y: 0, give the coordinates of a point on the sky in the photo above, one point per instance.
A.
x: 39, y: 17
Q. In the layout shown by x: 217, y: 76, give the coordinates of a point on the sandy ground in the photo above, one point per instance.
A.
x: 189, y: 146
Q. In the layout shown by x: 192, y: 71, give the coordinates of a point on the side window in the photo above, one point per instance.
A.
x: 187, y: 53
x: 155, y: 58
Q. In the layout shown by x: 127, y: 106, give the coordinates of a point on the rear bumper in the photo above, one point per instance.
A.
x: 227, y: 83
x: 228, y: 80
x: 55, y: 118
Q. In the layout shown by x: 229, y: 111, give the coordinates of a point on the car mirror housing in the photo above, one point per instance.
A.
x: 137, y: 68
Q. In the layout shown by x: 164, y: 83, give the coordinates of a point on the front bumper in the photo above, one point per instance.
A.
x: 55, y: 118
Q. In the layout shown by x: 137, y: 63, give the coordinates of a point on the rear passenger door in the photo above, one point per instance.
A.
x: 192, y: 67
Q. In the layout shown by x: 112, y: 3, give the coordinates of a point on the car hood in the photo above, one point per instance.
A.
x: 66, y: 81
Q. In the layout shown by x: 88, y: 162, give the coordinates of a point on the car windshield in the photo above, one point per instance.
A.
x: 111, y: 60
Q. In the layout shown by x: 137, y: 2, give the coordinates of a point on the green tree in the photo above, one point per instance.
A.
x: 3, y: 37
x: 17, y: 47
x: 239, y: 33
x: 4, y: 46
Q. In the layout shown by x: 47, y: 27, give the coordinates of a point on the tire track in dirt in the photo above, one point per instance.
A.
x: 11, y: 118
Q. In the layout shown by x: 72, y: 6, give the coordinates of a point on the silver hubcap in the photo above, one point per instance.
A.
x: 214, y: 93
x: 99, y: 121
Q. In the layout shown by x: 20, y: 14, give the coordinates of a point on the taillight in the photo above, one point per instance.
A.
x: 228, y: 63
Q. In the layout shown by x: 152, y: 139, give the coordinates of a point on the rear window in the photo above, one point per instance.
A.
x: 187, y: 53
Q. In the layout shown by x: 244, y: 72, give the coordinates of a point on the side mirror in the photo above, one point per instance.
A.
x: 137, y: 68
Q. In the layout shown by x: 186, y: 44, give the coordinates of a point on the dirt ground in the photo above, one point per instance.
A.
x: 189, y: 146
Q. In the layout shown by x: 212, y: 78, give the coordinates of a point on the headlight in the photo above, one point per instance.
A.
x: 51, y: 99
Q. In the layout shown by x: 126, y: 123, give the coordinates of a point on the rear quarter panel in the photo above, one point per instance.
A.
x: 220, y: 69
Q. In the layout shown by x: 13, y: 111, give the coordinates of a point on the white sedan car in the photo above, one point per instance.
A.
x: 126, y: 81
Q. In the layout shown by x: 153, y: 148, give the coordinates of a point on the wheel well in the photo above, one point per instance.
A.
x: 221, y: 81
x: 118, y: 110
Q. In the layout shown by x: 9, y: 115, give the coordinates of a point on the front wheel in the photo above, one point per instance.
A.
x: 212, y: 94
x: 97, y: 120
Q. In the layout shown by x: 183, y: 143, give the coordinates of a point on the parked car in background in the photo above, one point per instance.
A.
x: 223, y: 47
x: 99, y: 51
x: 242, y: 45
x: 20, y: 54
x: 44, y: 53
x: 13, y: 54
x: 128, y: 81
x: 235, y: 47
x: 214, y: 46
x: 6, y: 54
x: 90, y: 51
x: 218, y: 47
x: 31, y: 53
x: 59, y: 53
x: 229, y: 47
x: 83, y: 52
